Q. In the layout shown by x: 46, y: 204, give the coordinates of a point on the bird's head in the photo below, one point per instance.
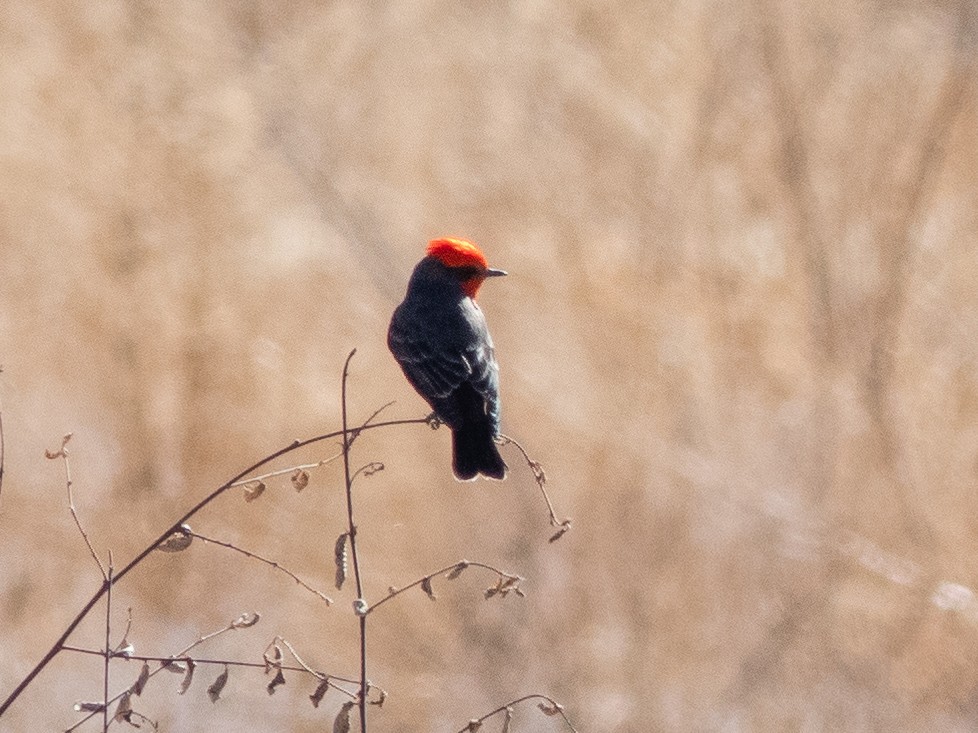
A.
x: 465, y: 261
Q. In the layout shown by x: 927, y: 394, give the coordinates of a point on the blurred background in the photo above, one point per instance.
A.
x: 740, y: 332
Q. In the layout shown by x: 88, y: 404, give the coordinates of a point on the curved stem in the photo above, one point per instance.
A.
x: 108, y: 647
x: 555, y: 708
x: 461, y: 564
x: 348, y: 480
x: 175, y: 527
x: 1, y: 446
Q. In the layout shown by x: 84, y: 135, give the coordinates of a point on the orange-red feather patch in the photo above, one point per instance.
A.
x: 457, y: 253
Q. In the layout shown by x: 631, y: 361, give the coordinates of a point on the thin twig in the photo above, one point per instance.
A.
x: 164, y: 661
x: 367, y: 470
x: 554, y: 708
x: 270, y: 563
x: 511, y: 580
x: 2, y: 450
x: 301, y: 667
x: 62, y: 453
x: 301, y: 662
x: 82, y: 614
x: 541, y: 478
x: 321, y: 675
x: 284, y: 471
x: 107, y: 653
x: 125, y: 635
x: 348, y: 480
x: 355, y: 432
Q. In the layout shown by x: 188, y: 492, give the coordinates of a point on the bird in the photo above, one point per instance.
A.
x: 440, y: 339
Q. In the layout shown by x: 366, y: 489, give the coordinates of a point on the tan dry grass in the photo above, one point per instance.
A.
x: 740, y: 332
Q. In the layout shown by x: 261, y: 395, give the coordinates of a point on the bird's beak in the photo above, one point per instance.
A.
x: 495, y: 273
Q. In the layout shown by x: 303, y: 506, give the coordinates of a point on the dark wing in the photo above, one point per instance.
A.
x: 485, y: 377
x: 438, y: 357
x: 428, y: 344
x: 434, y: 371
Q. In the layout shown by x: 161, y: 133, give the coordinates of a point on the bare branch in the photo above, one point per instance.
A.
x: 348, y: 481
x: 62, y: 453
x: 2, y: 450
x: 107, y: 652
x: 124, y: 648
x: 355, y: 433
x: 166, y: 662
x: 175, y: 527
x: 548, y: 706
x: 271, y: 563
x: 301, y: 667
x: 506, y: 582
x: 368, y: 470
x: 562, y: 525
x: 289, y: 470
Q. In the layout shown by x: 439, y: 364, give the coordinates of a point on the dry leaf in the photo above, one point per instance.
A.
x: 279, y: 679
x: 123, y: 710
x: 253, y: 491
x: 320, y: 692
x: 342, y: 722
x: 245, y: 621
x: 426, y: 587
x: 88, y: 707
x: 140, y: 683
x: 381, y: 698
x: 273, y: 657
x: 214, y: 691
x: 490, y: 592
x: 564, y: 527
x: 178, y: 541
x: 550, y: 710
x: 457, y: 570
x: 59, y: 454
x: 371, y: 468
x: 339, y: 556
x: 300, y: 479
x: 510, y: 584
x: 188, y: 676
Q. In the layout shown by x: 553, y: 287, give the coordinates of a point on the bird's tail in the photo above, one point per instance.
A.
x: 474, y: 452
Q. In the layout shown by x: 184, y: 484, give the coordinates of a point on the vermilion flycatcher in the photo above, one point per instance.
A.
x: 439, y: 337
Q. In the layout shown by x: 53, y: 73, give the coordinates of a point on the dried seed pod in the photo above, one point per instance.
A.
x: 253, y: 491
x: 342, y: 722
x: 551, y: 710
x: 214, y: 691
x: 278, y: 680
x: 178, y: 541
x: 340, y: 558
x: 320, y: 692
x: 246, y: 620
x: 140, y: 684
x: 300, y: 479
x: 188, y: 676
x: 123, y: 711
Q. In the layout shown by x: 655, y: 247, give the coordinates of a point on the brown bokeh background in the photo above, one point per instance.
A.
x: 740, y: 332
